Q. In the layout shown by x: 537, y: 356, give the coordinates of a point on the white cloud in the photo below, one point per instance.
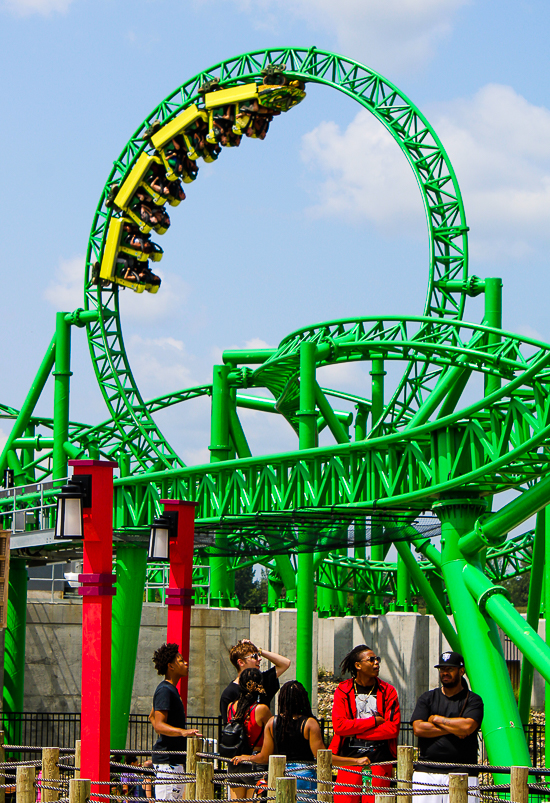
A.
x: 66, y: 291
x: 347, y: 376
x: 257, y: 343
x: 24, y: 8
x: 3, y: 439
x: 388, y: 36
x: 525, y: 330
x: 499, y: 145
x: 159, y: 365
x: 147, y: 307
x: 367, y: 175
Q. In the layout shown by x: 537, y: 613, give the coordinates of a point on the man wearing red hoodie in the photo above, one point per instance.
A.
x: 366, y: 719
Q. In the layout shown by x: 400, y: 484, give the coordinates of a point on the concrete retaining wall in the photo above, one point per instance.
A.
x: 409, y: 644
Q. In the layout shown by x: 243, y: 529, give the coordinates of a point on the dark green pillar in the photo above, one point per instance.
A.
x: 14, y: 647
x: 493, y: 317
x: 533, y: 614
x: 221, y: 580
x: 131, y: 563
x: 62, y: 375
x: 308, y: 439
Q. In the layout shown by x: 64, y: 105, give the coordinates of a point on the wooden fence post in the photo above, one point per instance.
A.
x: 285, y: 790
x: 205, y: 780
x: 519, y: 778
x: 276, y: 769
x: 458, y: 787
x: 79, y: 790
x: 193, y: 746
x: 50, y: 773
x: 24, y: 785
x: 405, y: 757
x: 77, y: 758
x: 324, y: 776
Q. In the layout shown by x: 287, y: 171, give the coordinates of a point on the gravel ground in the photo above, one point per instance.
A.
x: 325, y: 692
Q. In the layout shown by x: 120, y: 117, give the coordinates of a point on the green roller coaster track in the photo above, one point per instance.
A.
x: 427, y: 456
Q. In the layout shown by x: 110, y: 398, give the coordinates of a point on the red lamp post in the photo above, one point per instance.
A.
x: 179, y: 594
x: 97, y: 591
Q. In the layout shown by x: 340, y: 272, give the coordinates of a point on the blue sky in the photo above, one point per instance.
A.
x: 322, y: 220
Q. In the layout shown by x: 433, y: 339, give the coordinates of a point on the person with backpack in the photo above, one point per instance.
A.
x: 366, y: 720
x: 245, y: 655
x: 296, y: 734
x: 246, y: 721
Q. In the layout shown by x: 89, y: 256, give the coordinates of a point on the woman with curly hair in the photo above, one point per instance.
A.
x: 253, y: 715
x: 296, y: 734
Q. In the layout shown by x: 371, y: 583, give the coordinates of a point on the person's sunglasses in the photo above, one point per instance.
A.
x: 255, y: 655
x: 374, y: 659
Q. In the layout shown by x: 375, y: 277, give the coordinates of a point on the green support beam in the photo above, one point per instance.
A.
x: 480, y: 642
x: 493, y: 317
x: 131, y: 566
x: 338, y: 431
x: 62, y: 378
x: 426, y: 590
x: 14, y: 648
x: 221, y: 580
x: 305, y: 587
x: 547, y: 634
x: 29, y: 404
x: 492, y: 600
x: 533, y: 614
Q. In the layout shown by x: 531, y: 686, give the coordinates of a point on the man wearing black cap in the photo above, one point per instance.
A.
x: 446, y: 722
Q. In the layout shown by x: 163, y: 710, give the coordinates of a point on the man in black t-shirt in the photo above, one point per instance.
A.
x: 168, y: 720
x: 245, y: 655
x: 447, y: 722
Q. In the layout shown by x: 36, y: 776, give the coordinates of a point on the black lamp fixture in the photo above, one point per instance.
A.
x: 71, y: 500
x: 162, y: 529
x: 69, y: 522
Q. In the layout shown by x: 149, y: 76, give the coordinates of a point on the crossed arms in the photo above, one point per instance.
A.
x: 437, y: 725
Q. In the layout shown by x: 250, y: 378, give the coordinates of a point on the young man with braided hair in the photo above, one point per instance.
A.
x: 245, y: 655
x: 168, y: 720
x: 366, y: 720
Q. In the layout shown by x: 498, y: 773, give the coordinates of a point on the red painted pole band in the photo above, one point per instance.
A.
x: 96, y: 622
x: 178, y: 596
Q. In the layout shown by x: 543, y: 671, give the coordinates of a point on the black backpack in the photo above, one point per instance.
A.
x: 234, y: 740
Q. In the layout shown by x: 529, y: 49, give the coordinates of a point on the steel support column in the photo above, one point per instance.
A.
x: 14, y: 648
x: 533, y: 614
x: 308, y: 439
x: 62, y: 378
x: 221, y: 579
x: 29, y: 404
x: 493, y: 317
x: 547, y: 615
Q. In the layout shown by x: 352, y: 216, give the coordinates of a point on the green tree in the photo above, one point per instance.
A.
x: 251, y: 591
x: 518, y: 588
